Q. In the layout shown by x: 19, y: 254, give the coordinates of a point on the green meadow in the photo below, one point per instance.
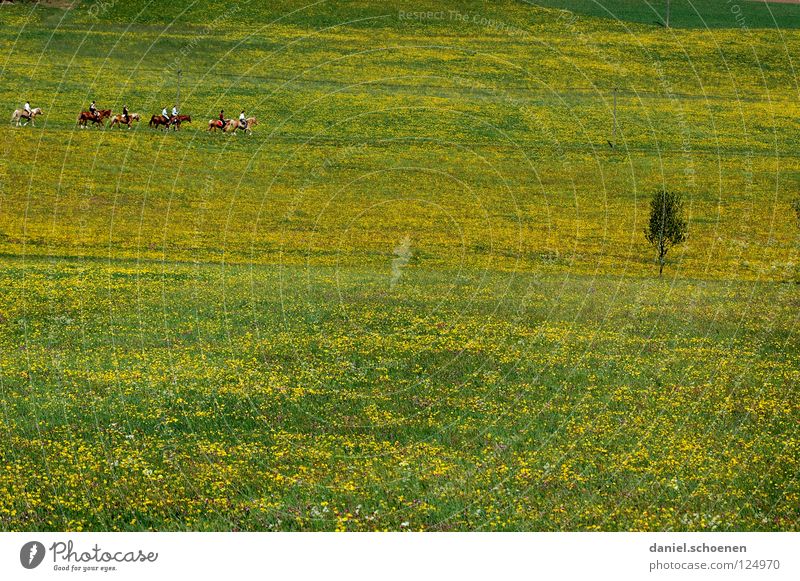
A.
x: 419, y: 295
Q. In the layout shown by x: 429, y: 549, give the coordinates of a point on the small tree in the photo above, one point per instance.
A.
x: 796, y: 207
x: 667, y: 226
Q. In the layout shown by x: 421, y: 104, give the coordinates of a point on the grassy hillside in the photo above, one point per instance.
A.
x: 419, y: 295
x: 522, y: 124
x: 684, y: 13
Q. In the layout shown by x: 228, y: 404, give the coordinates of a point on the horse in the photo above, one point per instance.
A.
x: 86, y: 116
x: 119, y: 120
x: 235, y: 124
x: 215, y: 124
x: 19, y: 115
x: 178, y: 119
x: 158, y: 120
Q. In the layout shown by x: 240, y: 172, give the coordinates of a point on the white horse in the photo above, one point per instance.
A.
x: 119, y: 120
x: 235, y: 124
x: 18, y: 116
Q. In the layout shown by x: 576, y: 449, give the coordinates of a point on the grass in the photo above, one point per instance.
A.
x: 687, y: 13
x: 419, y: 296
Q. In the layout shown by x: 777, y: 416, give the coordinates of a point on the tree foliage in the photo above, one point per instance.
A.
x: 667, y: 226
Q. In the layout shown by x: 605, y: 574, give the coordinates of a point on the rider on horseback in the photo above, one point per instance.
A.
x: 174, y: 112
x: 125, y: 117
x: 165, y: 115
x: 222, y: 119
x: 26, y: 111
x: 242, y: 120
x: 93, y: 111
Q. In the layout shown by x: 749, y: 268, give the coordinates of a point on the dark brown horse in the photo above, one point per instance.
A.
x: 86, y: 116
x: 159, y: 121
x: 177, y: 120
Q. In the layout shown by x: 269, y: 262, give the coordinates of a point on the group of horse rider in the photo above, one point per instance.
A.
x: 27, y: 112
x: 165, y: 114
x: 242, y: 119
x: 126, y: 116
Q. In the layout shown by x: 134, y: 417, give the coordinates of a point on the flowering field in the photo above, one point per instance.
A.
x: 419, y: 296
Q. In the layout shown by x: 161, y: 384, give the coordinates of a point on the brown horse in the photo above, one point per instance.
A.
x: 235, y: 124
x: 119, y: 120
x: 158, y: 121
x: 177, y: 120
x: 86, y: 116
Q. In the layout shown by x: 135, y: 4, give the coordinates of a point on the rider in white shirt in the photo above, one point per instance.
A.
x: 27, y: 109
x: 164, y: 113
x: 243, y: 120
x: 175, y: 111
